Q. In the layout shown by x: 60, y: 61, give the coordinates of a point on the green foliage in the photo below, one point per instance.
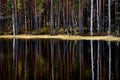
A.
x: 40, y: 4
x: 18, y: 4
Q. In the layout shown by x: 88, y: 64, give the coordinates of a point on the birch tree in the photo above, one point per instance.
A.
x: 109, y: 17
x: 91, y: 19
x: 14, y: 17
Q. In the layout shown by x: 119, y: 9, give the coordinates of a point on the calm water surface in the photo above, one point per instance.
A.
x: 46, y: 59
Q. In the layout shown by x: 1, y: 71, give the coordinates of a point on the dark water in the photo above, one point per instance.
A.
x: 59, y: 60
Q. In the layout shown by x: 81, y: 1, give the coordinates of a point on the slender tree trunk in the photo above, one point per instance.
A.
x: 63, y: 13
x: 109, y: 16
x: 91, y: 19
x: 67, y: 14
x: 72, y: 13
x: 103, y: 16
x: 80, y: 12
x: 0, y: 14
x: 52, y: 59
x: 35, y: 17
x: 109, y: 45
x: 51, y: 18
x: 25, y: 15
x: 98, y: 18
x: 59, y: 13
x: 14, y: 17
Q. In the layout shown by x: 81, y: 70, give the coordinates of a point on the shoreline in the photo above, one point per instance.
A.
x: 61, y: 37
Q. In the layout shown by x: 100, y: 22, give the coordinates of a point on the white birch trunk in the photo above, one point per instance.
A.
x: 13, y: 18
x: 109, y: 17
x: 91, y: 19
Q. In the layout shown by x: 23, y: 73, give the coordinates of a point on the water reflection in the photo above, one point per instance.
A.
x: 59, y: 60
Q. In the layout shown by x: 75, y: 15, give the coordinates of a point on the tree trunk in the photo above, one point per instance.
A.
x: 80, y: 12
x: 35, y: 17
x: 63, y: 13
x: 98, y: 18
x: 109, y: 17
x: 14, y: 17
x: 72, y: 13
x: 91, y: 19
x: 51, y: 18
x: 25, y: 14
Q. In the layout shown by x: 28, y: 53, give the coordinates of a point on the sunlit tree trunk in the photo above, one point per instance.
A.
x: 80, y: 12
x: 14, y: 17
x: 91, y: 19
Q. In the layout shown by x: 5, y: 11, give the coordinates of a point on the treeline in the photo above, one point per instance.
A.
x: 69, y: 16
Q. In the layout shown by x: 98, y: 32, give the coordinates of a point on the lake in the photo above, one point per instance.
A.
x: 55, y: 59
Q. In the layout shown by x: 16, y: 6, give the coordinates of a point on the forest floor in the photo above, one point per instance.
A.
x: 62, y: 37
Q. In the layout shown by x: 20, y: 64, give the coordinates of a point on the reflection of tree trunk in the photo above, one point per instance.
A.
x: 36, y: 58
x: 81, y: 60
x: 98, y: 61
x: 15, y: 60
x: 52, y: 58
x: 109, y: 45
x: 25, y: 73
x: 68, y: 62
x: 92, y: 59
x: 117, y: 51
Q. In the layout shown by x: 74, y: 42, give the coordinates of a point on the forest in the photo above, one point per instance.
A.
x: 72, y: 17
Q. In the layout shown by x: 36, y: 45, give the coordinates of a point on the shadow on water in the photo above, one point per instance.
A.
x: 46, y: 59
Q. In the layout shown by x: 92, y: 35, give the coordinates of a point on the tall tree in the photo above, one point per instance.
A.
x: 35, y: 15
x: 25, y: 15
x: 72, y: 12
x: 51, y: 18
x: 14, y: 17
x: 91, y: 19
x: 98, y: 19
x: 80, y: 12
x: 109, y: 16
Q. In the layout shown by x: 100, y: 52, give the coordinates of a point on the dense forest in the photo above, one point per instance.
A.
x: 60, y: 17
